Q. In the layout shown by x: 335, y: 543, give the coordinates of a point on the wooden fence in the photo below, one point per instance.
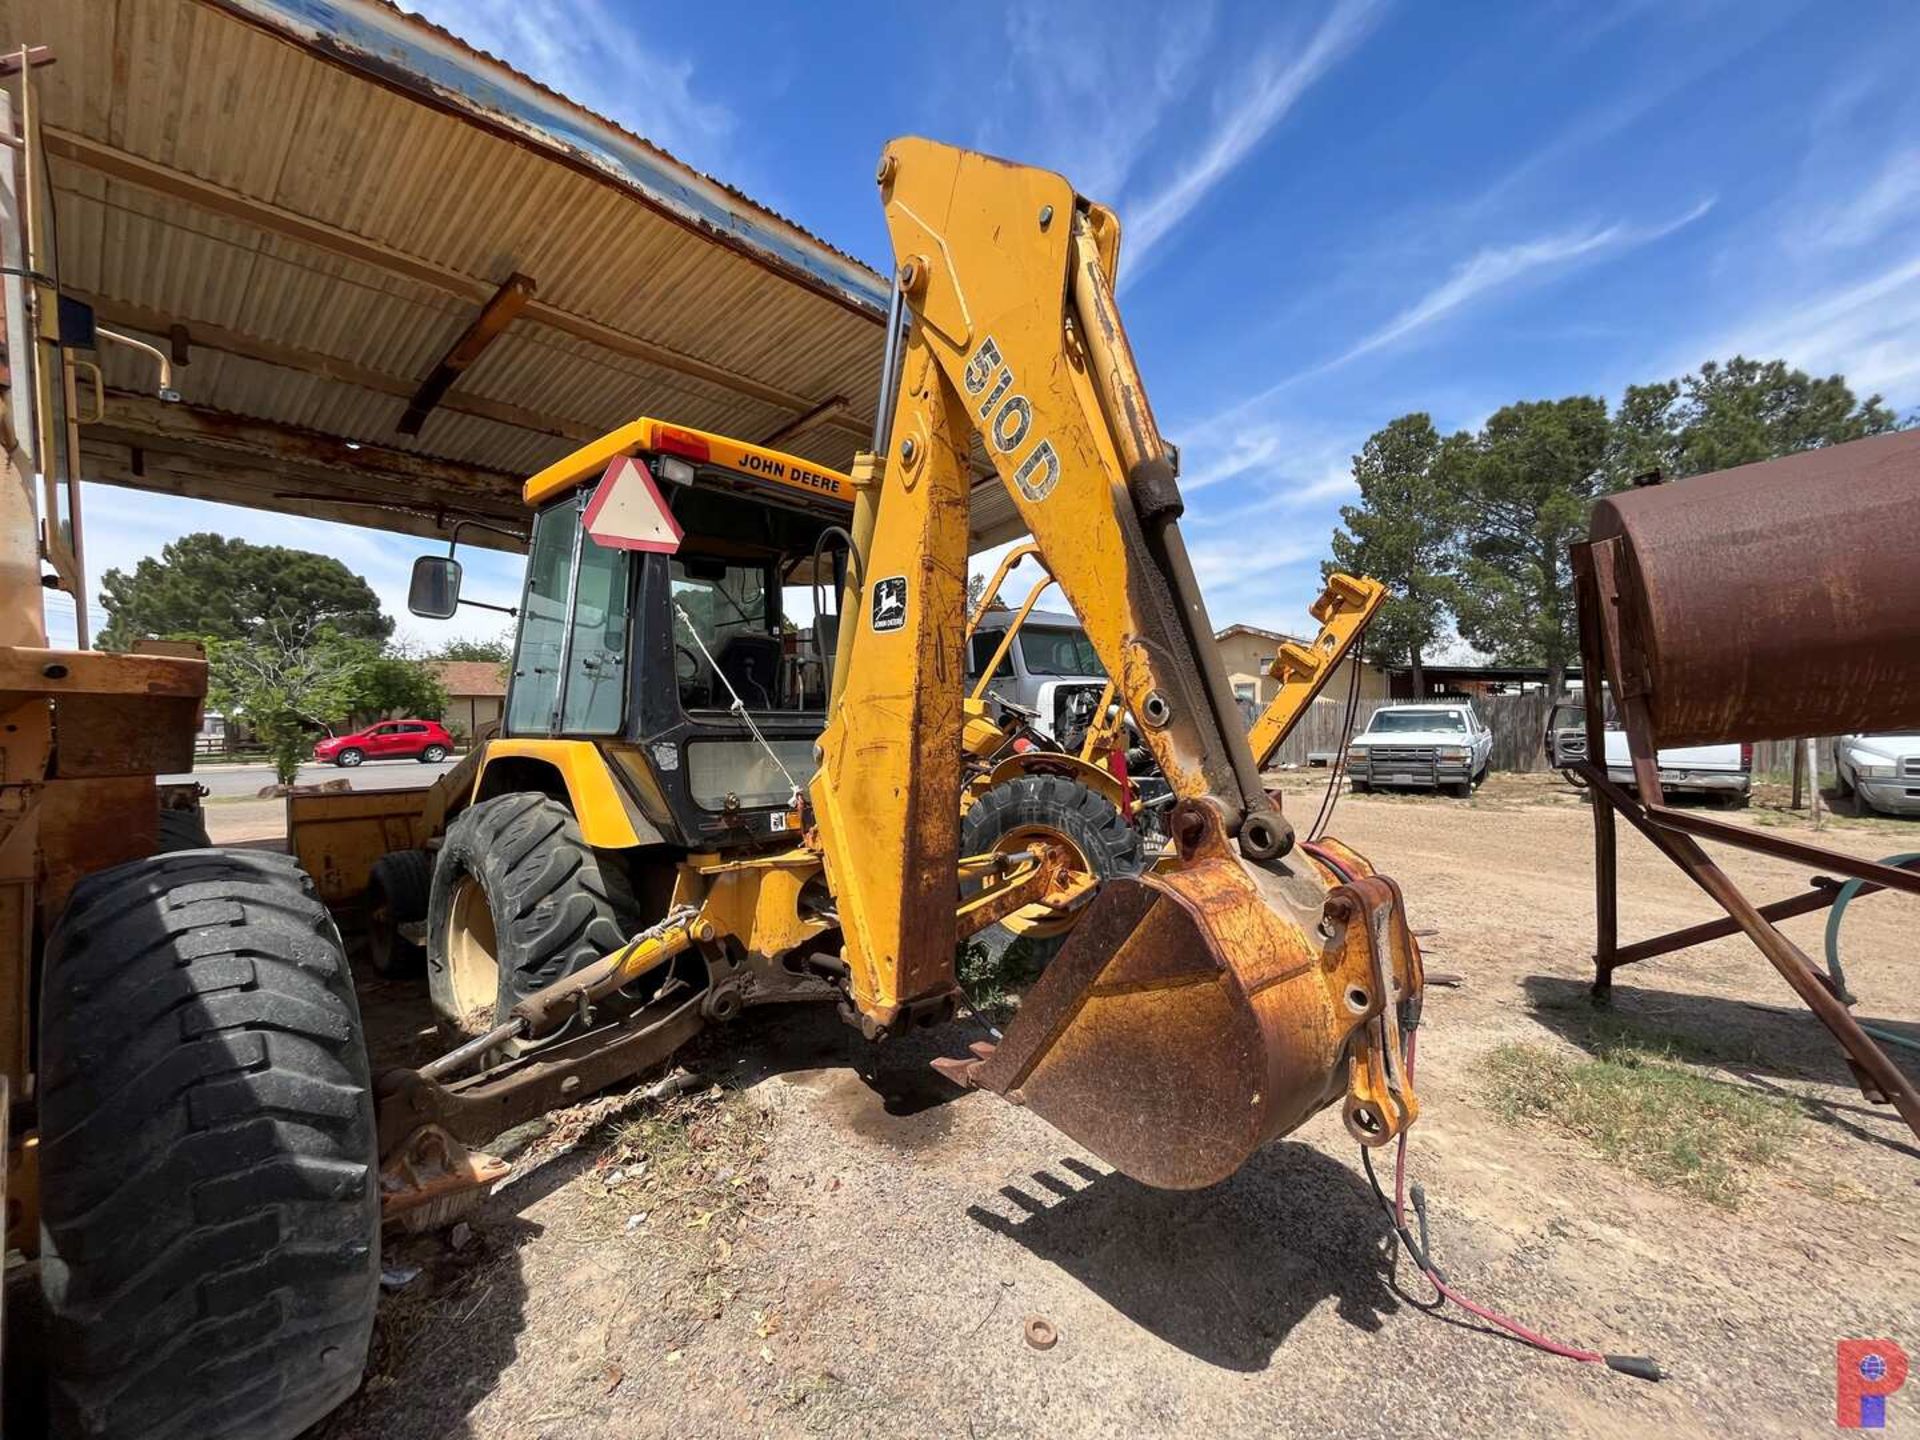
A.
x: 1517, y: 723
x: 1773, y: 759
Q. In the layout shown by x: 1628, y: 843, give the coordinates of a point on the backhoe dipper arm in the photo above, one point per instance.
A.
x: 1006, y: 279
x: 1013, y: 333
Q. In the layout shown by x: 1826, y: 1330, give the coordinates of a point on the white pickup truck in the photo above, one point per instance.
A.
x: 1724, y: 771
x: 1439, y: 746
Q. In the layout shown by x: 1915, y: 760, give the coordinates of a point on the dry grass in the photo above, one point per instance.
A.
x: 1641, y: 1106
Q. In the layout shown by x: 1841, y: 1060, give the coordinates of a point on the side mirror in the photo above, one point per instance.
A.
x: 434, y: 591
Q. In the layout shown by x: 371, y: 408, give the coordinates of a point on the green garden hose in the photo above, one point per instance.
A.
x: 1838, y: 975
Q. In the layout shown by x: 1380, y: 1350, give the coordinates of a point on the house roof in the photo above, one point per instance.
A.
x: 465, y: 678
x: 1276, y: 636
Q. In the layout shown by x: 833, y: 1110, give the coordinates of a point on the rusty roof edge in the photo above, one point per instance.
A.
x: 399, y: 47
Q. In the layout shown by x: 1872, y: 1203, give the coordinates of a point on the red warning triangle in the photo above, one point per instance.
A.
x: 628, y: 513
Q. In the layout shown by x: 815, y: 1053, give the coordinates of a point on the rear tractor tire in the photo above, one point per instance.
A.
x: 1015, y: 812
x: 399, y: 888
x: 210, y: 1202
x: 519, y: 900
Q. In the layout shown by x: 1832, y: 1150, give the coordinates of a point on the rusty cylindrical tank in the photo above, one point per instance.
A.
x: 1777, y: 600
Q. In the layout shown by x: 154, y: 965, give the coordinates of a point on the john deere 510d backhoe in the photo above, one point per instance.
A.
x: 682, y: 819
x: 1198, y: 1009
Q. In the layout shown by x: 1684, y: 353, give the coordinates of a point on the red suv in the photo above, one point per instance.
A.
x: 422, y: 740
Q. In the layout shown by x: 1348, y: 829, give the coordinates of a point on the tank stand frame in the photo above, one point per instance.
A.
x: 1608, y: 649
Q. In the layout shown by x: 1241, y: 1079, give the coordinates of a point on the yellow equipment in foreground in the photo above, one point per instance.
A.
x: 1196, y: 1011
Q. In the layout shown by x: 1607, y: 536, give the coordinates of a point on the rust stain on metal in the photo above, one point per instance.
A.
x: 1778, y: 600
x: 1186, y: 1023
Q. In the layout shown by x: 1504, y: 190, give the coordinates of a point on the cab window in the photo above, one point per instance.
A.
x: 1058, y: 652
x: 595, y: 652
x: 984, y: 644
x: 723, y: 636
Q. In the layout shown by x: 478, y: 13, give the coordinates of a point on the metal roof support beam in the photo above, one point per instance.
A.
x: 160, y: 179
x: 142, y: 420
x: 235, y: 477
x: 505, y: 303
x: 201, y: 335
x: 819, y: 415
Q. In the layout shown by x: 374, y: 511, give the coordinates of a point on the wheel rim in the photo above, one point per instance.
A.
x: 473, y: 960
x: 1041, y: 922
x: 435, y: 754
x: 350, y: 758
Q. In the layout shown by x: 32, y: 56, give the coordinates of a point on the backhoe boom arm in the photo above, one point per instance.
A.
x: 1005, y: 278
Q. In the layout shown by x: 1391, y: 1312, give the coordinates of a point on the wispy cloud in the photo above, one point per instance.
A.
x: 1502, y: 268
x: 597, y: 58
x: 1867, y: 329
x: 1255, y: 103
x: 1090, y: 83
x: 1892, y: 197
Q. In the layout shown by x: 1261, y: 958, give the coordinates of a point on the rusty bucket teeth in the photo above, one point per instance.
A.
x: 1184, y: 1025
x: 960, y: 1072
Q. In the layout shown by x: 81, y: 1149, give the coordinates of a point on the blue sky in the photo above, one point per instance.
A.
x: 1334, y: 212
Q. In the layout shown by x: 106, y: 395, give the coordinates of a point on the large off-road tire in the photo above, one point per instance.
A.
x: 399, y: 887
x: 209, y: 1199
x: 519, y: 900
x: 1031, y: 806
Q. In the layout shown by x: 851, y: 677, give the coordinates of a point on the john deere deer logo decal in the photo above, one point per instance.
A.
x: 889, y: 603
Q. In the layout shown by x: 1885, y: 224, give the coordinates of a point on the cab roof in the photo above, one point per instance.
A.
x: 773, y: 468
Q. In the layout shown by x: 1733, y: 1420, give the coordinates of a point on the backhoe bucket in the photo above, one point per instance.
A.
x: 1189, y: 1020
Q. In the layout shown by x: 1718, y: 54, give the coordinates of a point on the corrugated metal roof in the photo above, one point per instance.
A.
x: 324, y: 193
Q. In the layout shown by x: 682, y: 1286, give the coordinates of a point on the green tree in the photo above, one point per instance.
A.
x: 499, y: 650
x: 1529, y: 479
x: 208, y: 587
x: 1735, y: 413
x: 391, y: 683
x: 1402, y: 533
x: 288, y: 679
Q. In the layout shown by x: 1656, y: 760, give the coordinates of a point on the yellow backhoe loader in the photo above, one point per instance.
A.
x: 638, y: 857
x: 639, y: 860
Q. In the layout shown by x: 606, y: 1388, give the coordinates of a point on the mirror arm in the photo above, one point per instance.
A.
x: 487, y: 605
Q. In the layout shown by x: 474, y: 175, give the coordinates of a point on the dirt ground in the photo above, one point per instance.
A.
x: 857, y: 1246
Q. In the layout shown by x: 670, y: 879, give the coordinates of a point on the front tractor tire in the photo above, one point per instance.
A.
x: 1016, y: 812
x: 519, y: 900
x: 209, y: 1195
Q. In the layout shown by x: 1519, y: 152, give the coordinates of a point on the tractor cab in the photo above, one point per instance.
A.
x: 674, y: 620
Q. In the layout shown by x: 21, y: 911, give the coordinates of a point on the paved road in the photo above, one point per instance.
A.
x: 233, y: 781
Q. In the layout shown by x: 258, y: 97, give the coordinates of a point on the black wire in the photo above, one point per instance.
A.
x: 1330, y: 799
x: 1417, y: 1251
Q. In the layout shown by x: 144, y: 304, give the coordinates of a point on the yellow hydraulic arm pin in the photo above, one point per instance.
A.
x: 1343, y: 610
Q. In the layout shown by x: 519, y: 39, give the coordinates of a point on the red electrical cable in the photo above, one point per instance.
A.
x: 1636, y: 1365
